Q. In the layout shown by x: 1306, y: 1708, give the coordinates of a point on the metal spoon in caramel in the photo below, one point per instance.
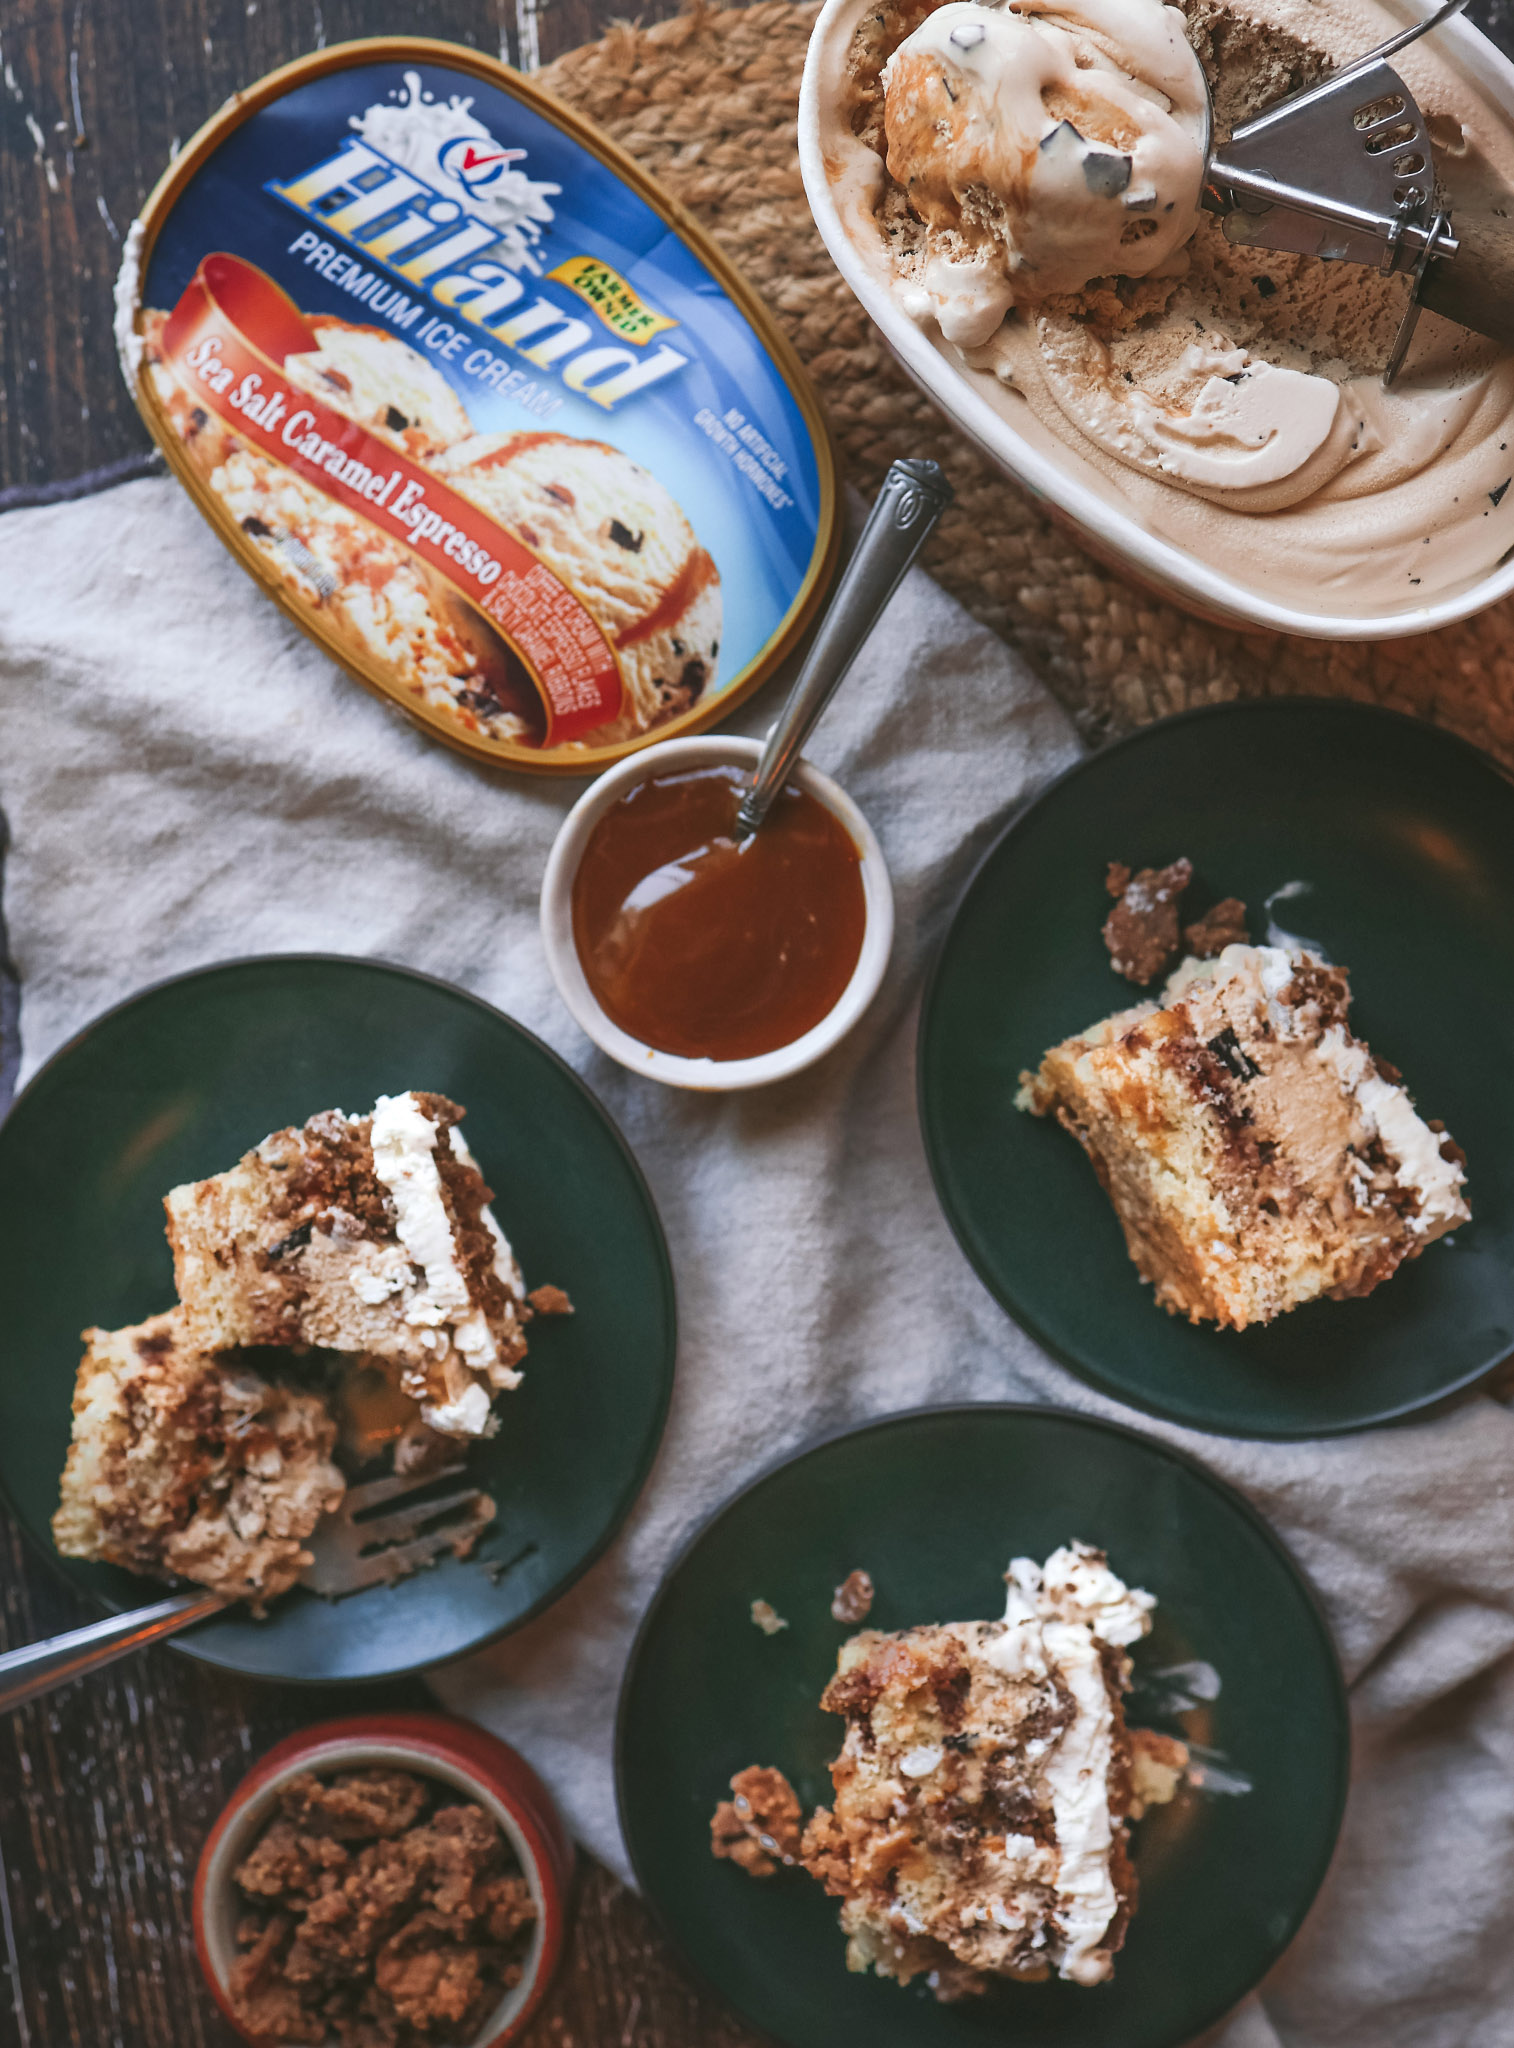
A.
x: 721, y: 920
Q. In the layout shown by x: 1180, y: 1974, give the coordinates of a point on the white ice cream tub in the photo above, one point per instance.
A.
x: 839, y: 179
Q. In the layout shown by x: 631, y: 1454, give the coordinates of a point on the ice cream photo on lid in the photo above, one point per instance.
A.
x: 487, y: 414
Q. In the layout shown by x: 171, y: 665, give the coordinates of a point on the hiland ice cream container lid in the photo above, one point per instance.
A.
x: 488, y: 415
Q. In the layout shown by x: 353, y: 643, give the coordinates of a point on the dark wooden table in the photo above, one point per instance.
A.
x: 108, y: 1788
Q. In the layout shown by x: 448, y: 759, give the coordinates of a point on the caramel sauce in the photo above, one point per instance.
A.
x: 371, y: 1411
x: 709, y: 950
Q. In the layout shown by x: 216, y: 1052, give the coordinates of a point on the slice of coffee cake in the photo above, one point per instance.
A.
x: 368, y: 1234
x: 981, y: 1793
x: 1257, y: 1154
x: 184, y: 1464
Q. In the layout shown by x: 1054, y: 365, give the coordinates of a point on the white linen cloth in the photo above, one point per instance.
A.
x: 187, y: 778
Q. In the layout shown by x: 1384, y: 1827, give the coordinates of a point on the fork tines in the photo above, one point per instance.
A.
x: 356, y: 1547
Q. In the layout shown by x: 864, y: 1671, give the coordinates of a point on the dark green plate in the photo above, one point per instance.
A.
x: 1405, y: 837
x: 934, y: 1504
x: 177, y: 1083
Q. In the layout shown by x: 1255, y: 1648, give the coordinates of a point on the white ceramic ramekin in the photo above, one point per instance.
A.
x: 713, y: 751
x: 839, y: 175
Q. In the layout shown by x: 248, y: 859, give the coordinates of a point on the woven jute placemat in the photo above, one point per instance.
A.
x: 707, y: 102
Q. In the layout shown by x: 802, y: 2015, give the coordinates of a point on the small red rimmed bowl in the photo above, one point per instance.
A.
x: 453, y: 1753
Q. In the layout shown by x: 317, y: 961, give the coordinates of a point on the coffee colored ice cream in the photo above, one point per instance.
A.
x: 1228, y: 398
x: 1041, y: 147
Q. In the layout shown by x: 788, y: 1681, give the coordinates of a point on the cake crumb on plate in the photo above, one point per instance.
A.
x: 1141, y: 931
x: 852, y: 1600
x: 759, y: 1826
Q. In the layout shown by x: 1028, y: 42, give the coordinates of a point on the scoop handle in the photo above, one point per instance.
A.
x: 1475, y: 287
x: 912, y: 499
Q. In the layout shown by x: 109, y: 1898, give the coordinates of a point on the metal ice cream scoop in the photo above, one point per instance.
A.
x: 1342, y: 170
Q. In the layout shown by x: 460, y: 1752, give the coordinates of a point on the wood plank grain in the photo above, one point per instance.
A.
x: 94, y: 97
x: 108, y: 1789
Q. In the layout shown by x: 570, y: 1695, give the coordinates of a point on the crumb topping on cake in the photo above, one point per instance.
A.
x: 192, y: 1466
x: 365, y: 1234
x: 1258, y: 1154
x: 977, y: 1827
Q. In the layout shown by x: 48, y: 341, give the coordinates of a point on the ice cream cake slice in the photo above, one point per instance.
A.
x: 189, y: 1465
x: 368, y: 1234
x: 1258, y: 1155
x: 978, y: 1825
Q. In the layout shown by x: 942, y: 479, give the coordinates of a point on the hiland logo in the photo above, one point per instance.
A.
x: 398, y: 219
x: 475, y: 165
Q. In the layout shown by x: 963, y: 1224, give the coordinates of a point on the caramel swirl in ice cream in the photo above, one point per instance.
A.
x: 1043, y: 145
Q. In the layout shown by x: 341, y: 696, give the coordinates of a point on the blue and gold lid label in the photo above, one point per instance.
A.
x: 497, y: 428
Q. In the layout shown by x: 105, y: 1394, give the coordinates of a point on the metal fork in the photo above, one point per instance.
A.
x: 353, y: 1548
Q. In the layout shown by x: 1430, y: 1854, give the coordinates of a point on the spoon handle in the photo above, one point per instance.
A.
x: 913, y: 497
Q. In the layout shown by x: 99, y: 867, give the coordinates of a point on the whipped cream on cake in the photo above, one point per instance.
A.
x: 979, y: 1822
x: 1258, y: 1154
x: 370, y: 1234
x: 188, y: 1465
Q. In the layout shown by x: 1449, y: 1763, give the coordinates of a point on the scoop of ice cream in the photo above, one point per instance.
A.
x: 382, y: 383
x: 617, y: 537
x: 1229, y: 405
x: 1043, y: 144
